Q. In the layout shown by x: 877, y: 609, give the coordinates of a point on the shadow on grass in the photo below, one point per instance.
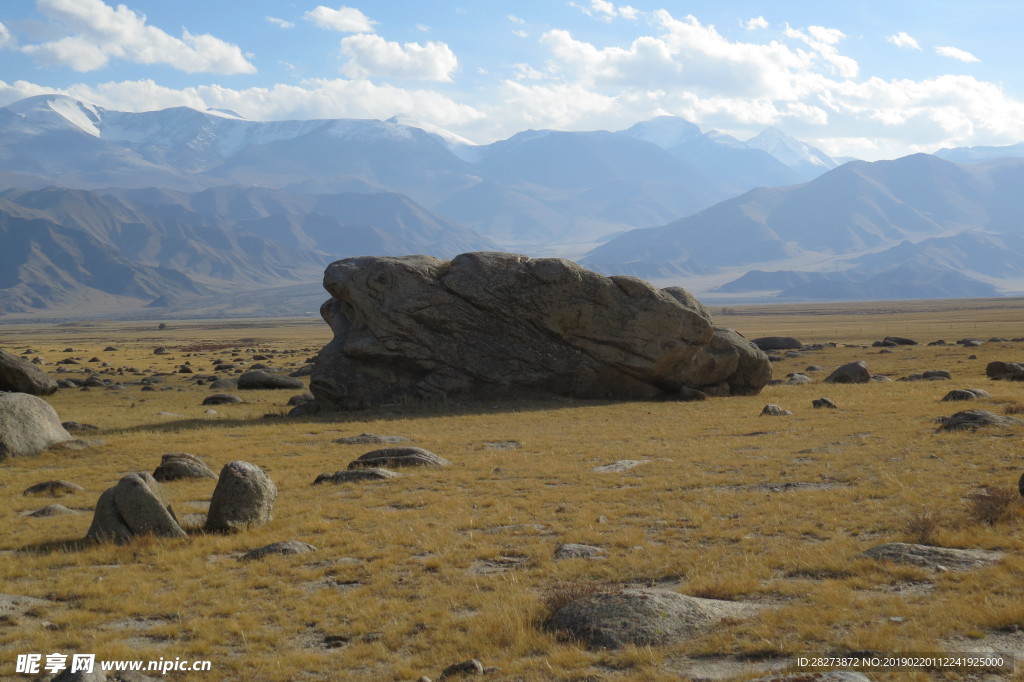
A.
x: 57, y: 546
x: 401, y: 412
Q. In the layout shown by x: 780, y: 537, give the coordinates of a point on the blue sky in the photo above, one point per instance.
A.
x: 869, y: 79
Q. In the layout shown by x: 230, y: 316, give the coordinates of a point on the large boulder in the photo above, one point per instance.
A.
x: 504, y: 324
x: 244, y: 497
x: 137, y: 505
x: 850, y: 373
x: 28, y: 425
x: 21, y: 376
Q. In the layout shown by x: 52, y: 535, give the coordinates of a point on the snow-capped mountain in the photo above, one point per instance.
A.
x: 807, y: 160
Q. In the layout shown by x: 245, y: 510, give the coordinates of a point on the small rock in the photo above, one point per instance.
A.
x: 621, y: 465
x: 929, y: 556
x: 260, y: 379
x: 75, y: 426
x: 571, y: 550
x: 53, y: 510
x: 975, y: 419
x: 53, y: 488
x: 796, y: 379
x: 356, y: 476
x: 823, y: 402
x: 399, y: 457
x: 222, y: 399
x: 371, y: 439
x: 470, y: 667
x: 175, y: 466
x: 773, y: 410
x: 286, y: 547
x: 959, y: 394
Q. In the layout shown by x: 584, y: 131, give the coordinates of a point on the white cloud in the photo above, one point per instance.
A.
x: 280, y: 22
x: 372, y: 56
x: 516, y: 20
x: 344, y: 19
x: 823, y: 41
x: 605, y: 10
x: 422, y: 28
x: 756, y: 23
x: 520, y: 33
x: 6, y: 39
x: 101, y: 32
x: 903, y: 39
x: 957, y: 53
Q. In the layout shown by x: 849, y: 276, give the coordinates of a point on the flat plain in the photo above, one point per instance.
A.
x: 442, y: 565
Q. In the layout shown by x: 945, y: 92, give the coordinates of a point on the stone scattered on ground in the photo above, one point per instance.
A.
x: 797, y: 379
x: 642, y: 617
x: 222, y: 399
x: 1005, y: 371
x: 777, y: 343
x: 18, y: 375
x: 300, y: 399
x: 53, y: 510
x: 286, y: 547
x: 930, y: 375
x: 371, y: 439
x: 399, y: 457
x: 850, y: 373
x: 503, y: 445
x: 224, y: 385
x: 823, y: 403
x: 137, y: 505
x: 72, y: 427
x: 356, y: 476
x: 175, y: 466
x: 572, y: 550
x: 56, y: 488
x: 772, y: 410
x: 28, y: 426
x: 499, y: 564
x: 928, y: 556
x: 963, y: 394
x: 244, y: 498
x: 492, y: 323
x: 975, y: 419
x: 619, y: 466
x: 470, y: 667
x: 261, y: 379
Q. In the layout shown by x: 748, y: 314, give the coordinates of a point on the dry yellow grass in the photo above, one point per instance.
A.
x: 396, y: 589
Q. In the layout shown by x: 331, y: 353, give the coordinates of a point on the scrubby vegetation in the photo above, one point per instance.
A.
x: 444, y: 564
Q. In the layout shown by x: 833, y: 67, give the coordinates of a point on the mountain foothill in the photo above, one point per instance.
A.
x: 164, y: 212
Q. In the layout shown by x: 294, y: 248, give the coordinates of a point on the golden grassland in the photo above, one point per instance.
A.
x: 406, y: 579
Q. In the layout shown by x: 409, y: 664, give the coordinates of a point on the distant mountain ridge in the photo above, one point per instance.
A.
x: 916, y: 227
x: 552, y: 184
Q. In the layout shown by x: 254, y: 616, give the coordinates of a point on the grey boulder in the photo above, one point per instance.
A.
x: 850, y: 373
x: 21, y: 376
x: 494, y: 324
x: 175, y: 466
x: 137, y: 505
x: 28, y: 425
x: 244, y: 498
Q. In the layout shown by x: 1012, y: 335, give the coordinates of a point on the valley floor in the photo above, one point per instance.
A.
x: 442, y: 565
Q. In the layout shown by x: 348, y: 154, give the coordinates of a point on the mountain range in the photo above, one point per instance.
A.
x: 165, y: 208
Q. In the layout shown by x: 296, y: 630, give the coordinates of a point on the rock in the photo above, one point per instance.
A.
x: 18, y: 375
x: 619, y: 466
x: 959, y: 394
x: 303, y: 371
x: 772, y: 410
x: 71, y: 427
x: 28, y: 425
x: 1005, y: 371
x: 286, y: 547
x: 571, y: 550
x: 53, y: 510
x: 371, y: 439
x: 777, y: 343
x: 850, y: 373
x: 823, y: 402
x: 979, y: 392
x: 137, y: 505
x: 356, y: 476
x: 690, y: 395
x: 900, y: 341
x: 975, y: 419
x: 470, y: 667
x: 641, y: 616
x: 884, y: 344
x: 175, y: 466
x: 261, y: 379
x: 399, y: 457
x: 301, y: 398
x: 489, y: 324
x: 796, y: 379
x: 934, y: 374
x: 933, y: 557
x: 244, y: 497
x: 160, y: 350
x: 58, y: 488
x: 224, y: 385
x: 222, y: 399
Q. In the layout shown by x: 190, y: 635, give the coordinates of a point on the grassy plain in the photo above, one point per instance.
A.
x: 442, y: 565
